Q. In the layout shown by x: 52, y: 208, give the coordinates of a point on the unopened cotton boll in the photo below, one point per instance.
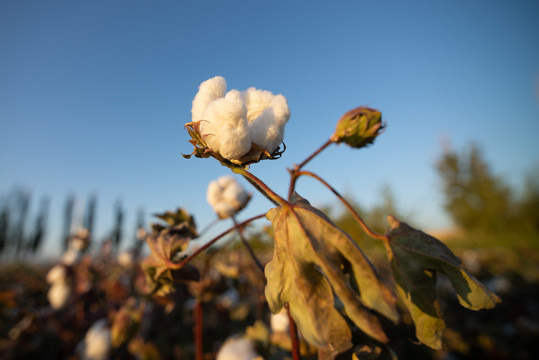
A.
x: 59, y: 294
x: 97, y: 342
x: 237, y: 349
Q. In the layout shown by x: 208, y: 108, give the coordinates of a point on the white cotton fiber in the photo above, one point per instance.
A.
x: 237, y: 349
x: 267, y: 130
x: 208, y: 91
x: 59, y: 294
x: 56, y: 274
x: 256, y: 101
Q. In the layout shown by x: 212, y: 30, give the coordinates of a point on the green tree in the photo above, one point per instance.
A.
x: 475, y: 198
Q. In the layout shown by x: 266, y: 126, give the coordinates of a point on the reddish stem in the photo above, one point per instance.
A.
x: 354, y: 213
x: 293, y: 335
x: 249, y: 248
x: 294, y: 172
x: 185, y: 261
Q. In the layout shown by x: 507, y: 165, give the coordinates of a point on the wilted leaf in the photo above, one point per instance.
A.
x: 126, y: 323
x: 415, y: 258
x: 307, y: 268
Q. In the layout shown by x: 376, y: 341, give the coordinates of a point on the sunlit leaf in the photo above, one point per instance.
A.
x: 415, y: 259
x: 310, y: 258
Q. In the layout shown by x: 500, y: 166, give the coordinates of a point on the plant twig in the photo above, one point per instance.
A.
x: 249, y: 248
x: 293, y: 335
x: 354, y: 213
x: 211, y: 242
x: 260, y: 186
x: 294, y: 172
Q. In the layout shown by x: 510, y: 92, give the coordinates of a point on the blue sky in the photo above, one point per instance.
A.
x: 94, y: 96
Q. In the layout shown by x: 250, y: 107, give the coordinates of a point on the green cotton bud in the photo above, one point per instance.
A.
x: 358, y: 127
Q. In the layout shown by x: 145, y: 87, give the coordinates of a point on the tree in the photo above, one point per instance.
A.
x: 474, y: 197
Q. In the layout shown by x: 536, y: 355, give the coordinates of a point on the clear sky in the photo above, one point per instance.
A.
x: 94, y: 96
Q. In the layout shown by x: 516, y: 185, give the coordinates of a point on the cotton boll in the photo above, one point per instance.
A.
x: 280, y: 322
x: 237, y: 349
x: 208, y: 91
x: 71, y: 256
x: 97, y: 342
x: 59, y: 294
x: 256, y: 101
x: 226, y: 196
x: 56, y: 274
x: 125, y: 259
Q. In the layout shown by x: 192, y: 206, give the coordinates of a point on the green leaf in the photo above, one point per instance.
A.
x: 308, y: 267
x: 415, y: 259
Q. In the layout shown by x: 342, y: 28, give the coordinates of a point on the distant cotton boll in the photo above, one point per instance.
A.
x: 59, y: 294
x: 237, y: 349
x: 226, y: 196
x: 77, y: 244
x: 56, y: 274
x: 280, y: 322
x: 125, y: 259
x: 208, y: 91
x: 71, y: 257
x: 97, y: 341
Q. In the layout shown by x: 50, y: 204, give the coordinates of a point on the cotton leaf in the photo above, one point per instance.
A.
x: 416, y: 258
x: 310, y: 256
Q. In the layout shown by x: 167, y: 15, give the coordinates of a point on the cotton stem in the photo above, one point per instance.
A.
x: 350, y: 208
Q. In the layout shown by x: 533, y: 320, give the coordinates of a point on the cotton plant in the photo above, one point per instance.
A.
x: 318, y: 277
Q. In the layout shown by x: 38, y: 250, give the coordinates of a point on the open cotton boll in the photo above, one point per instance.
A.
x: 56, y: 274
x: 97, y: 342
x: 280, y: 322
x: 208, y: 91
x: 267, y: 130
x: 71, y: 256
x: 59, y: 294
x: 237, y: 349
x: 226, y: 196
